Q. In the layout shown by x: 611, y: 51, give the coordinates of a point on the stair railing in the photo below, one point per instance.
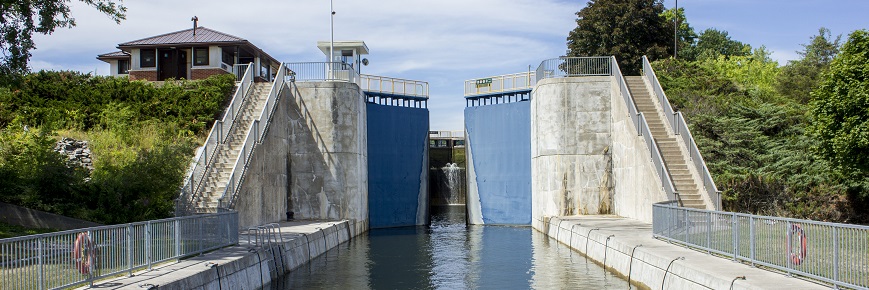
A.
x: 256, y: 134
x: 204, y: 158
x: 642, y: 126
x: 680, y: 128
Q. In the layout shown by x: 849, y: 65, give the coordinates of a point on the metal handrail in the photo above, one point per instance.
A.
x: 829, y: 252
x: 205, y: 156
x: 680, y: 127
x: 322, y: 71
x: 575, y: 67
x: 256, y: 134
x: 523, y: 81
x: 76, y: 257
x: 394, y: 86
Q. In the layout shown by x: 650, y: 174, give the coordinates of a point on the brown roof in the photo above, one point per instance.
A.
x: 116, y: 54
x: 203, y: 35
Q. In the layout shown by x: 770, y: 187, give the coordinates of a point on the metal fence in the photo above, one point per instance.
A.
x: 204, y: 158
x: 680, y: 128
x: 76, y: 257
x: 523, y: 81
x: 394, y: 86
x: 574, y: 67
x: 322, y: 71
x: 828, y: 252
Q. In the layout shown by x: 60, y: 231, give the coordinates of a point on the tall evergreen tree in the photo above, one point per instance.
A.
x: 627, y: 29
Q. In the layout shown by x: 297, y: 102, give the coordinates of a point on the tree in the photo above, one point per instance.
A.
x: 627, y: 29
x: 799, y: 77
x: 20, y: 19
x: 713, y: 43
x: 686, y: 34
x: 839, y: 107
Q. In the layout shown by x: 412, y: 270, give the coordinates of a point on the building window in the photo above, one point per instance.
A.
x: 200, y: 56
x: 148, y: 57
x: 228, y: 57
x: 123, y: 66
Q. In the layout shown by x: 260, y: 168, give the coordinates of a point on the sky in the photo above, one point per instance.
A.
x: 443, y: 42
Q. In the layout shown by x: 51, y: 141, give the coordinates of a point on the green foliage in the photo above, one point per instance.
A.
x: 686, y: 33
x: 627, y: 29
x: 21, y: 19
x: 840, y: 104
x: 753, y: 140
x: 799, y: 77
x: 142, y: 138
x: 713, y: 43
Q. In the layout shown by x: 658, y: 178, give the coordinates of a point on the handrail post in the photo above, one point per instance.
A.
x: 130, y: 250
x: 41, y: 252
x: 177, y: 238
x: 148, y: 244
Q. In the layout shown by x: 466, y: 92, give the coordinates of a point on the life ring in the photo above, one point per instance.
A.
x: 83, y: 253
x: 798, y: 237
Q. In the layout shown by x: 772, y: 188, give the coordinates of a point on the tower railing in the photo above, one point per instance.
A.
x: 322, y: 71
x: 680, y: 128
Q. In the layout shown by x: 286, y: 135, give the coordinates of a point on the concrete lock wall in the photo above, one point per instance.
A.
x: 328, y: 152
x: 397, y: 166
x: 636, y: 184
x: 262, y: 196
x: 571, y: 135
x: 499, y: 164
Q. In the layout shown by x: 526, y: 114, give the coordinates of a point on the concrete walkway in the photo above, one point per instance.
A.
x: 613, y: 241
x: 243, y: 266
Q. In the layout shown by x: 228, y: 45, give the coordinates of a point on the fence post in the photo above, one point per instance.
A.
x: 752, y: 238
x: 687, y: 226
x: 130, y: 250
x: 788, y: 253
x: 40, y: 250
x: 835, y: 254
x: 734, y: 232
x: 148, y: 243
x: 709, y: 232
x: 177, y: 238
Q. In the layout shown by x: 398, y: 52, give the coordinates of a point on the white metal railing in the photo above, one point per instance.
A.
x: 255, y: 135
x: 523, y: 81
x: 204, y: 158
x: 574, y: 67
x: 76, y: 257
x: 446, y: 134
x: 322, y: 71
x: 829, y: 252
x: 394, y: 86
x: 639, y: 121
x: 680, y: 128
x: 239, y: 70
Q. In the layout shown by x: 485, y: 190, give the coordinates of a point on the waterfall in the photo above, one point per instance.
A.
x: 454, y: 177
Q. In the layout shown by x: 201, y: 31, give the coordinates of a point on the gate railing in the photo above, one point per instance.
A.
x: 523, y: 81
x: 829, y: 252
x: 76, y: 257
x: 680, y: 128
x: 394, y: 86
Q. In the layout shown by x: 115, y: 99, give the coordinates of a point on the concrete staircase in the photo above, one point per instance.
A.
x: 688, y: 188
x: 217, y: 176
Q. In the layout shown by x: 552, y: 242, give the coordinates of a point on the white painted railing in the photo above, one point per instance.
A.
x: 204, y: 158
x: 322, y: 71
x: 394, y: 86
x: 73, y: 258
x: 256, y: 134
x: 523, y: 81
x: 680, y: 128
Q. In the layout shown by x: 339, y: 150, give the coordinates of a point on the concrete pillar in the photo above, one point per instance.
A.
x: 328, y: 152
x: 570, y: 143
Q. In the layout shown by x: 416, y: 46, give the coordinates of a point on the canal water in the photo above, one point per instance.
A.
x: 451, y: 255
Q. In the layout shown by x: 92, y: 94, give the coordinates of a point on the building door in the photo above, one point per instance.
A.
x: 167, y: 64
x: 182, y: 64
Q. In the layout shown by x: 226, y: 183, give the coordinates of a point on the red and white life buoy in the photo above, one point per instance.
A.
x: 798, y: 238
x: 83, y: 253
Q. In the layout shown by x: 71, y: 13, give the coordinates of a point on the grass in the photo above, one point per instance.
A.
x: 10, y: 231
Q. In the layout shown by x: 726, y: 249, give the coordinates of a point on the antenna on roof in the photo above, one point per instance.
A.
x: 195, y: 24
